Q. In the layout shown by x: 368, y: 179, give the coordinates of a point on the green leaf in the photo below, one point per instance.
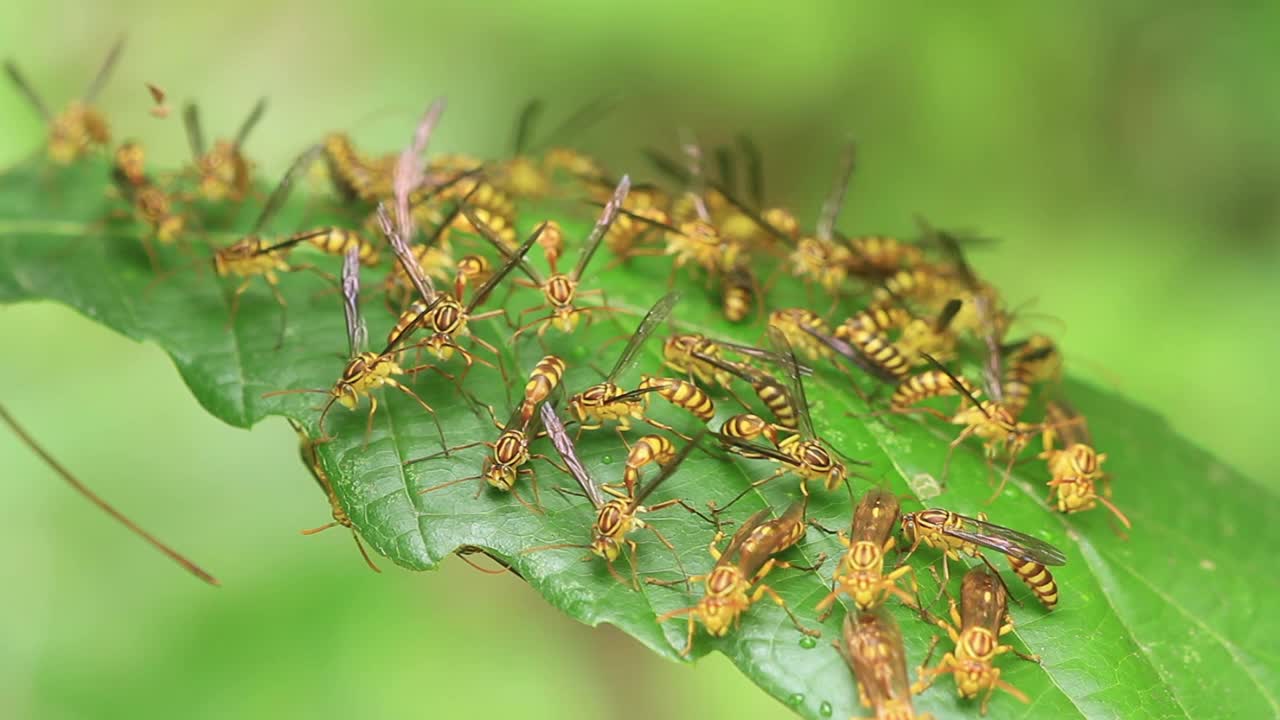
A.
x: 1173, y: 622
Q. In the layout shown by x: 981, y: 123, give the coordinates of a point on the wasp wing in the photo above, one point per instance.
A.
x: 357, y: 333
x: 404, y: 254
x: 501, y: 273
x: 795, y: 385
x: 29, y: 92
x: 1006, y: 541
x: 602, y: 226
x: 875, y: 516
x: 195, y: 133
x: 648, y: 324
x: 104, y: 72
x: 525, y: 123
x: 874, y: 649
x: 280, y: 195
x: 831, y: 207
x: 250, y: 122
x: 564, y: 448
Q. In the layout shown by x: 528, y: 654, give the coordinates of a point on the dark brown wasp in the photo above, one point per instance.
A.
x: 560, y: 290
x: 873, y: 648
x: 619, y: 515
x: 975, y: 627
x: 736, y: 581
x: 955, y: 535
x: 860, y: 573
x: 366, y: 371
x: 606, y: 401
x: 224, y: 172
x: 81, y: 127
x: 103, y: 505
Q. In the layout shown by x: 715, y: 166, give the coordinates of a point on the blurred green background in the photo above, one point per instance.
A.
x: 1128, y: 159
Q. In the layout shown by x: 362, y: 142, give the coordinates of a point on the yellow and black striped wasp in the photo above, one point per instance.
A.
x: 510, y: 451
x: 441, y: 314
x: 255, y: 255
x: 606, y: 401
x: 81, y: 127
x: 801, y: 452
x: 872, y: 645
x: 618, y: 515
x: 223, y: 172
x: 560, y: 290
x: 103, y: 505
x: 736, y: 581
x: 365, y: 371
x: 975, y: 627
x: 1076, y: 467
x: 955, y: 535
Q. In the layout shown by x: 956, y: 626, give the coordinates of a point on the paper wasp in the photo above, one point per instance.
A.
x: 696, y: 355
x: 354, y: 176
x: 510, y: 452
x: 92, y: 497
x: 442, y: 314
x: 860, y: 574
x: 223, y: 171
x: 366, y: 371
x: 879, y: 256
x: 775, y: 394
x: 736, y: 581
x: 801, y: 452
x: 606, y: 400
x: 1030, y: 361
x: 1076, y: 467
x: 873, y: 648
x: 618, y: 515
x: 255, y: 256
x: 976, y: 628
x: 307, y: 451
x: 800, y: 326
x: 955, y: 535
x: 79, y: 128
x: 560, y: 290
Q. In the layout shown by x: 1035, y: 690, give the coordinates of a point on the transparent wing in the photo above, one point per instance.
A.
x: 501, y: 273
x: 755, y: 169
x: 579, y: 121
x: 955, y: 382
x: 1067, y: 423
x: 853, y: 355
x: 768, y: 356
x: 357, y: 333
x: 753, y: 450
x: 404, y: 254
x: 246, y: 127
x: 1006, y: 541
x: 795, y: 385
x: 195, y: 133
x: 104, y: 72
x: 20, y: 81
x: 648, y: 324
x: 947, y: 314
x: 280, y: 195
x: 726, y: 167
x: 564, y: 448
x: 525, y: 123
x: 487, y: 233
x: 603, y: 223
x: 831, y: 207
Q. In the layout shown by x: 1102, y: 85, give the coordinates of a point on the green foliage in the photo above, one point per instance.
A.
x: 1160, y: 625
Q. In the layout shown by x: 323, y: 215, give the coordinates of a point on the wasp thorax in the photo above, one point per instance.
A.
x: 447, y: 317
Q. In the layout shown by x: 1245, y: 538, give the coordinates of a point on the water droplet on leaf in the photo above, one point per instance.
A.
x: 607, y: 459
x: 825, y: 709
x: 808, y: 643
x: 795, y: 700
